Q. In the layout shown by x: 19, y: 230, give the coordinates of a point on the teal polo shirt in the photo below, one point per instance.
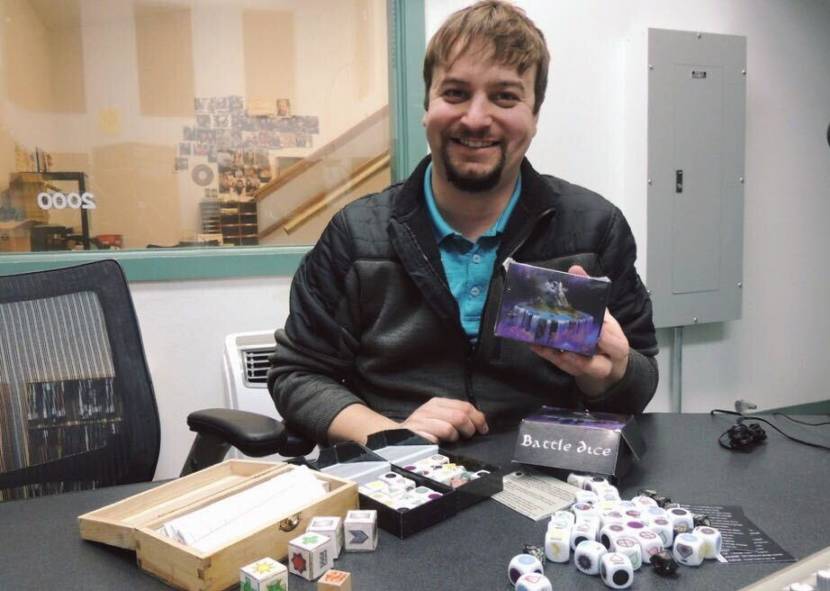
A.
x: 468, y: 265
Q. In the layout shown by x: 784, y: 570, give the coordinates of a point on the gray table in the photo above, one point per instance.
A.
x: 783, y: 487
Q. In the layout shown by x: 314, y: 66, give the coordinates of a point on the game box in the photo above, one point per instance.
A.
x: 551, y: 308
x: 570, y: 440
x: 134, y: 523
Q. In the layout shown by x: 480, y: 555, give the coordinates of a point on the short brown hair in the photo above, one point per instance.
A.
x: 514, y: 39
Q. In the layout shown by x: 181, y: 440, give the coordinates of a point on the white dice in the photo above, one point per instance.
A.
x: 615, y: 570
x: 644, y: 501
x: 712, y: 540
x: 679, y: 518
x: 566, y: 515
x: 612, y: 516
x: 595, y: 483
x: 610, y: 533
x: 578, y: 479
x: 650, y: 543
x: 263, y: 574
x: 558, y: 545
x: 580, y: 510
x: 650, y: 513
x: 310, y: 555
x: 630, y: 547
x: 581, y: 532
x: 688, y: 549
x: 522, y: 564
x: 533, y: 582
x: 662, y: 527
x: 361, y: 531
x: 587, y: 496
x: 397, y: 483
x: 609, y: 493
x: 332, y: 527
x: 587, y: 556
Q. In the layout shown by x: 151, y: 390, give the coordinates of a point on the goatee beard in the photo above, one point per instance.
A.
x: 473, y: 183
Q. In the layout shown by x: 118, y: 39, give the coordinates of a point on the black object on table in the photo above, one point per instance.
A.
x: 782, y: 487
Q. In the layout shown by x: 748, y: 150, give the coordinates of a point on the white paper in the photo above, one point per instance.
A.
x: 215, y: 525
x: 534, y: 494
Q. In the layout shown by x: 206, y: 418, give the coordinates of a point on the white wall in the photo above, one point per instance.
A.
x: 184, y: 325
x: 774, y: 355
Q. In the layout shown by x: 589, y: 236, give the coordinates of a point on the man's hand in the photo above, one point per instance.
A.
x: 445, y: 419
x: 594, y: 375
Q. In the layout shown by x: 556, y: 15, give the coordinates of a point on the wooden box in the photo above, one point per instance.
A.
x: 132, y: 524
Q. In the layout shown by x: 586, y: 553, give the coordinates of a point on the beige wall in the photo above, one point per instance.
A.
x: 164, y: 49
x: 43, y: 55
x: 270, y: 60
x: 138, y: 178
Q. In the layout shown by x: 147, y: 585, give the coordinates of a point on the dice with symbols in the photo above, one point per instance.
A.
x: 310, y: 555
x: 533, y: 582
x: 331, y: 527
x: 265, y: 574
x: 335, y: 580
x: 361, y: 531
x: 522, y: 564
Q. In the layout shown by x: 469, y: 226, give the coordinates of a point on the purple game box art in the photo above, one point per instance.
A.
x: 552, y: 308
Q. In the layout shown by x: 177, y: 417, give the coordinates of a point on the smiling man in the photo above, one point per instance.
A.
x: 392, y: 312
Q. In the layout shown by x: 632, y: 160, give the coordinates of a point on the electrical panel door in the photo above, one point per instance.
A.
x: 696, y: 126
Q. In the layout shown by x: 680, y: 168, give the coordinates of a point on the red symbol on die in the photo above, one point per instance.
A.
x: 298, y: 562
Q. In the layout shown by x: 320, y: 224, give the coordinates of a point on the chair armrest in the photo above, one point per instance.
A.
x: 251, y: 433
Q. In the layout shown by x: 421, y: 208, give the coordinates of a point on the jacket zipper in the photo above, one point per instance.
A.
x: 472, y: 348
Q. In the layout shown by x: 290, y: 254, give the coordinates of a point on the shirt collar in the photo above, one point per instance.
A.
x: 443, y: 229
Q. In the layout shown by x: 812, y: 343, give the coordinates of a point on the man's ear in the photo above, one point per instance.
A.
x: 424, y: 119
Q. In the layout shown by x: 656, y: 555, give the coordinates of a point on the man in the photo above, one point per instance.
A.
x: 392, y: 312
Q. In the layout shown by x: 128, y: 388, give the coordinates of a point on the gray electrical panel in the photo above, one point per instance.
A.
x: 695, y: 168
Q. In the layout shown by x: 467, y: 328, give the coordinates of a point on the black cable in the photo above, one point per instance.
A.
x: 742, y: 418
x: 799, y: 421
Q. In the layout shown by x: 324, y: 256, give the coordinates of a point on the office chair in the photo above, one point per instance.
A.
x: 77, y: 407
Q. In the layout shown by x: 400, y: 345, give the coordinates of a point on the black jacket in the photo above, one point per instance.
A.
x: 373, y: 321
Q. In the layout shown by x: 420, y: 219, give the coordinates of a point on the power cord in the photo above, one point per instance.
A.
x: 799, y: 421
x: 745, y: 437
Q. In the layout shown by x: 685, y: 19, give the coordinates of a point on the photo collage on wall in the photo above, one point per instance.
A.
x: 228, y: 150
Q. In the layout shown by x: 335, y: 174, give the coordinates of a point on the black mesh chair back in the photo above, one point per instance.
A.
x: 77, y: 409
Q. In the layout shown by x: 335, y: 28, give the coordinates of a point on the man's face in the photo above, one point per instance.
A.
x: 480, y: 121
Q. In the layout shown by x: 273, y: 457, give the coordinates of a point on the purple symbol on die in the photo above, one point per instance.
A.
x: 684, y: 550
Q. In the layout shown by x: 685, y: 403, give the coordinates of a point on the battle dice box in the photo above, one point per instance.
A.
x: 551, y: 308
x: 569, y: 440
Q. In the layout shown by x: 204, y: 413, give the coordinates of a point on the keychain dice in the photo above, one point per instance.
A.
x: 522, y: 564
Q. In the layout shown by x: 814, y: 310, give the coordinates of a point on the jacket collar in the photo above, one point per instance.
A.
x: 413, y: 237
x: 537, y: 196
